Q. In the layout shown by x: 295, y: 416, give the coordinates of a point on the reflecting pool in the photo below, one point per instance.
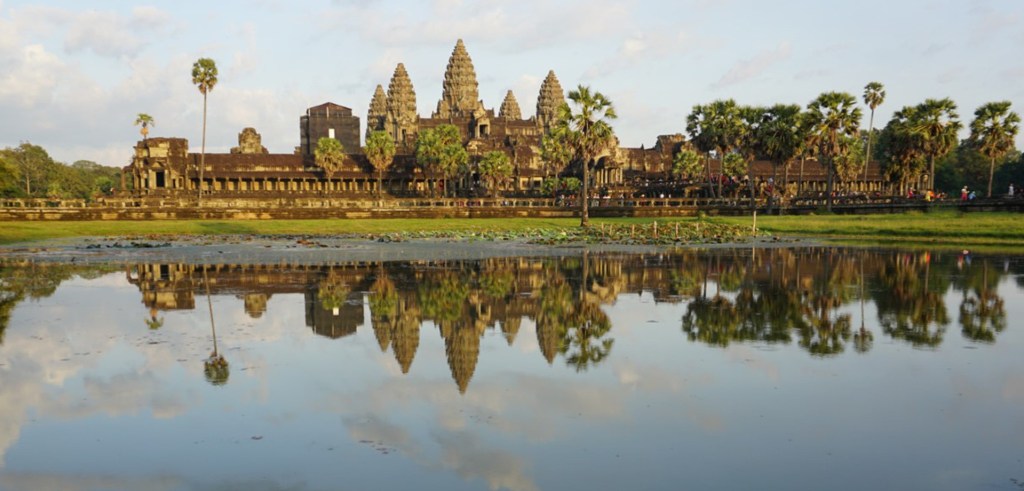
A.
x: 777, y: 368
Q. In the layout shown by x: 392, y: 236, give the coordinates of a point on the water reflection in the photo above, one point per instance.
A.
x: 734, y: 295
x: 644, y: 355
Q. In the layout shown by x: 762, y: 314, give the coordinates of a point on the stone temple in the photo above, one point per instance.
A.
x: 164, y: 166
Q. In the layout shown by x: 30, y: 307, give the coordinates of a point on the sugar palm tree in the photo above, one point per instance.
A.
x: 717, y: 126
x: 588, y: 131
x: 830, y: 117
x: 145, y: 121
x: 938, y: 124
x: 380, y: 151
x: 329, y: 156
x: 780, y: 137
x: 204, y: 76
x: 874, y: 96
x: 992, y: 132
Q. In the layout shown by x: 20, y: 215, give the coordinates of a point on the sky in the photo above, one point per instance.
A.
x: 74, y: 75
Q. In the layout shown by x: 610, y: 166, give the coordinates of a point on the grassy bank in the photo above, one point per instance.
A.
x: 942, y: 228
x: 934, y: 228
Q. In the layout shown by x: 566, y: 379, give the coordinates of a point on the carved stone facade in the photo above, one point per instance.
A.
x: 550, y: 99
x: 377, y: 116
x: 163, y: 165
x: 510, y: 107
x: 401, y: 104
x: 461, y: 97
x: 249, y: 142
x: 329, y: 120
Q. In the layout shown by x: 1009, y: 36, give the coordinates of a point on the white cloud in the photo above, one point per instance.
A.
x: 31, y: 78
x: 750, y: 68
x: 104, y: 33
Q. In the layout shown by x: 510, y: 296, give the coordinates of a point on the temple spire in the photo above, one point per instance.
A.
x: 510, y: 107
x: 461, y: 96
x: 401, y: 106
x: 551, y: 97
x: 378, y: 113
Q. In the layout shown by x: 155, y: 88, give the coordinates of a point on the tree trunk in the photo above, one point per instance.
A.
x: 202, y: 155
x: 800, y: 183
x: 585, y: 203
x: 931, y: 172
x: 830, y: 185
x: 711, y: 182
x: 867, y: 156
x: 991, y: 172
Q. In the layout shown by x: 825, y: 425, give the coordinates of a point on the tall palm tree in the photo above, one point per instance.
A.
x: 874, y: 96
x: 145, y: 121
x: 329, y: 156
x: 938, y: 124
x: 717, y: 126
x: 380, y: 151
x: 830, y: 117
x: 992, y: 132
x: 204, y: 76
x: 589, y: 132
x: 780, y: 137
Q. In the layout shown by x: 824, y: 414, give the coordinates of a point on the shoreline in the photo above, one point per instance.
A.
x: 311, y: 249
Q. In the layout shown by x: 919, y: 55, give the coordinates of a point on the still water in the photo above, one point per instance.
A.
x: 809, y: 368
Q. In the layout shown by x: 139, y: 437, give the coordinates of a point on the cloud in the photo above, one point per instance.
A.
x: 530, y: 24
x: 643, y: 47
x: 750, y: 68
x: 30, y: 78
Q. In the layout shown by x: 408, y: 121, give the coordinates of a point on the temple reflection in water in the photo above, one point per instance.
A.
x: 810, y: 296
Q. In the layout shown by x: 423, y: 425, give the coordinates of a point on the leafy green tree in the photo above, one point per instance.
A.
x: 10, y: 174
x: 850, y: 164
x: 495, y: 170
x: 901, y: 149
x: 992, y: 132
x: 874, y: 96
x: 586, y: 123
x: 380, y: 151
x: 938, y: 124
x: 780, y: 137
x: 329, y: 156
x: 439, y: 152
x: 717, y: 126
x: 831, y: 116
x: 204, y: 76
x: 428, y: 154
x: 686, y: 163
x: 145, y: 121
x: 33, y: 164
x: 555, y: 151
x: 734, y: 166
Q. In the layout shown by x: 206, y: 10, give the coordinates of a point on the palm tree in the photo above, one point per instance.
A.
x: 779, y: 137
x: 874, y: 96
x: 717, y: 126
x: 588, y: 132
x: 145, y: 121
x: 686, y: 163
x: 204, y: 76
x: 329, y: 156
x: 900, y: 148
x: 830, y: 117
x: 938, y: 125
x: 380, y: 151
x: 992, y: 132
x: 495, y: 169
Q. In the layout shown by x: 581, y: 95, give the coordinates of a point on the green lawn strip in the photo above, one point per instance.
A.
x: 993, y: 228
x: 14, y: 232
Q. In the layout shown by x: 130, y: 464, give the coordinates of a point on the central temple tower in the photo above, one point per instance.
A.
x: 461, y: 97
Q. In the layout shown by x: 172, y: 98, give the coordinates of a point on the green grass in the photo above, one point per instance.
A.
x: 14, y: 232
x: 935, y: 228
